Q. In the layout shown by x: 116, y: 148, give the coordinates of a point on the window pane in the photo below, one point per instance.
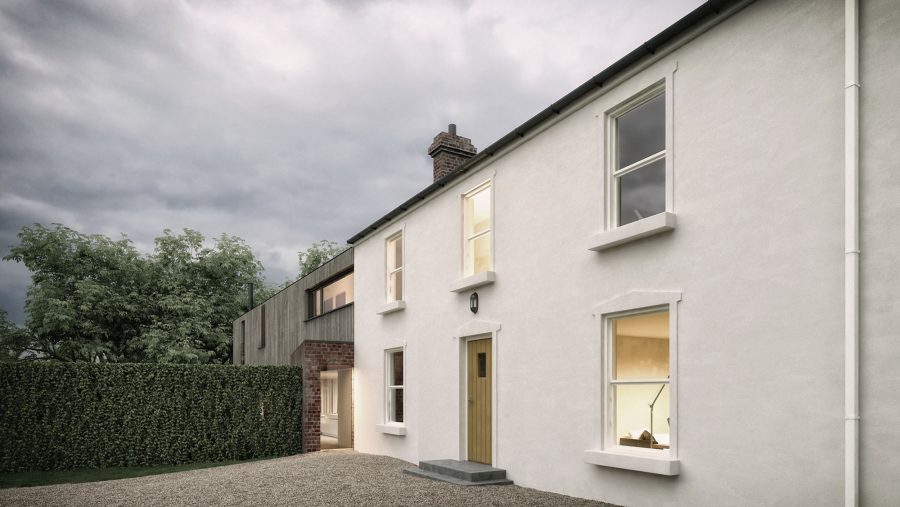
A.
x: 642, y: 347
x: 334, y: 396
x: 397, y: 369
x: 482, y: 364
x: 632, y: 404
x: 317, y: 303
x: 641, y: 132
x: 478, y: 254
x: 338, y: 294
x: 395, y: 286
x: 395, y: 253
x: 478, y: 212
x: 396, y: 405
x: 642, y: 192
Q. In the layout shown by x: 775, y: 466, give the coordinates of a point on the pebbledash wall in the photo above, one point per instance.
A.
x: 757, y: 124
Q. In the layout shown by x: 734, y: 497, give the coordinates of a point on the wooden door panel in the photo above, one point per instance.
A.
x: 479, y: 383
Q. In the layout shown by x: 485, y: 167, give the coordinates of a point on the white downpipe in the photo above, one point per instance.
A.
x: 851, y: 253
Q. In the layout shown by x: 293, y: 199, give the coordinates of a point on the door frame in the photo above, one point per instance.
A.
x: 473, y: 331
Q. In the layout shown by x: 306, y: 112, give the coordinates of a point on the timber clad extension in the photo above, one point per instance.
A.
x: 288, y: 319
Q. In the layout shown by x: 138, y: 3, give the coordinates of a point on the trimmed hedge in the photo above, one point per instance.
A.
x: 86, y: 415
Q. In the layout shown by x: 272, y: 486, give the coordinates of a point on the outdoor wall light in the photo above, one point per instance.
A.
x: 473, y: 302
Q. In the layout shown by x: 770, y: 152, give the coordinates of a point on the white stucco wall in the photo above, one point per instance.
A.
x: 879, y: 247
x: 757, y: 254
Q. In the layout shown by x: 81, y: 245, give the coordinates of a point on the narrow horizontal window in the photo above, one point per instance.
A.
x: 331, y: 296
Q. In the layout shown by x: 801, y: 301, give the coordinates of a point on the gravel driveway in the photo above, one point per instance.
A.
x: 340, y: 477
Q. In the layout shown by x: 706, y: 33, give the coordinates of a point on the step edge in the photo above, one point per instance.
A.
x: 425, y: 474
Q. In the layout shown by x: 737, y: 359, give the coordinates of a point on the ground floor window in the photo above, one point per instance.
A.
x: 394, y: 386
x: 639, y: 383
x: 639, y: 379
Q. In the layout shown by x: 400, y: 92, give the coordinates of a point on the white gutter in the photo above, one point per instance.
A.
x: 851, y: 253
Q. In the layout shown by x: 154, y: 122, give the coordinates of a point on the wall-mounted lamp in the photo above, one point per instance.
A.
x: 473, y: 302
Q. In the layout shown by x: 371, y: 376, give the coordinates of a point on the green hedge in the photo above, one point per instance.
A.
x: 87, y: 415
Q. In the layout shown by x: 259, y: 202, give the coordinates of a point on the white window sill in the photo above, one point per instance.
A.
x: 635, y: 230
x: 660, y: 465
x: 391, y: 429
x: 393, y: 306
x: 476, y: 280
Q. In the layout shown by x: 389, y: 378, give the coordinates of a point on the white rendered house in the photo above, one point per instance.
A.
x: 680, y: 298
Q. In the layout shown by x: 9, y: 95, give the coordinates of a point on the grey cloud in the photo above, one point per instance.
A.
x: 280, y: 122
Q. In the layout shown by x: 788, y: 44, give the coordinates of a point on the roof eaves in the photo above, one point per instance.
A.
x: 711, y: 8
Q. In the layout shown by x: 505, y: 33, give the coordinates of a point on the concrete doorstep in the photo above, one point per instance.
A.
x: 461, y: 473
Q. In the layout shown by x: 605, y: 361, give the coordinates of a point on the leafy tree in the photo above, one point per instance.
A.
x: 317, y: 254
x: 88, y: 295
x: 14, y: 340
x: 95, y: 299
x: 200, y: 292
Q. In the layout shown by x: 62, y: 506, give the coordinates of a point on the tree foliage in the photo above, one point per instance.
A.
x: 97, y: 299
x: 317, y: 254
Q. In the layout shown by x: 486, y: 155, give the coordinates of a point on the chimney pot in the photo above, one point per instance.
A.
x: 449, y: 151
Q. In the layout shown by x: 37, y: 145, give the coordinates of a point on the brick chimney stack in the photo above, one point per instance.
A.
x: 450, y: 151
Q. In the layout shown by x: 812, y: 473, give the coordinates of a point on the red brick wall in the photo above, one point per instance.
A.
x: 315, y: 357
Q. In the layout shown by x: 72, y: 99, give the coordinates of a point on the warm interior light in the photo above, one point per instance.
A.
x: 641, y: 353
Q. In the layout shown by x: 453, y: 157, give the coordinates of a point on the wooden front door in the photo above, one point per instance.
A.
x: 479, y: 402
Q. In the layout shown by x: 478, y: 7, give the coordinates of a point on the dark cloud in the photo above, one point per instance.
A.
x: 280, y: 122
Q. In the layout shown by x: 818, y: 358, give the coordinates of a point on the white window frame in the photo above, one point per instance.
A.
x: 388, y: 387
x: 612, y: 155
x: 610, y: 453
x: 612, y: 233
x: 388, y: 271
x: 487, y: 185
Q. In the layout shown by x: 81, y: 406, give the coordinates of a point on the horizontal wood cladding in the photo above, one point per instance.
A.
x: 287, y: 324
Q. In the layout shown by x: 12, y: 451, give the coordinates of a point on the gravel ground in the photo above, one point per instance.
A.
x: 340, y: 477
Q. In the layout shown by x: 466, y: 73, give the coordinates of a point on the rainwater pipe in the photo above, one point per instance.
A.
x: 851, y: 253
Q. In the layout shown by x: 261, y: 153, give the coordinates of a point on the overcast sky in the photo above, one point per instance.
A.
x: 279, y: 122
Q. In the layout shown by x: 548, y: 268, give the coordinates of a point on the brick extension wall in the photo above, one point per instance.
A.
x: 315, y: 357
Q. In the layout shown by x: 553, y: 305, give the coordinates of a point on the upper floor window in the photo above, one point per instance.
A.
x: 394, y: 268
x: 638, y: 156
x: 331, y: 296
x: 477, y: 227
